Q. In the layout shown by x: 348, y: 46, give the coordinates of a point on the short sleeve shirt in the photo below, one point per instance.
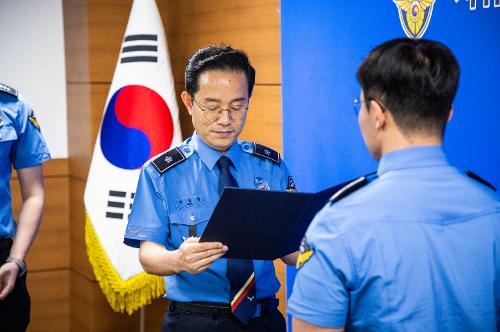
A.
x: 417, y: 249
x: 169, y: 206
x: 21, y: 146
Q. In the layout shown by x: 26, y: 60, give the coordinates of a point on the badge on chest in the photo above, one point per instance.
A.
x: 261, y: 184
x: 189, y: 201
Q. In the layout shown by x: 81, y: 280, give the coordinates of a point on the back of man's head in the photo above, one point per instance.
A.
x: 416, y: 80
x: 217, y: 57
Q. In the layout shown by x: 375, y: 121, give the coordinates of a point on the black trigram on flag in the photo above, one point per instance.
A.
x: 119, y: 204
x: 139, y: 48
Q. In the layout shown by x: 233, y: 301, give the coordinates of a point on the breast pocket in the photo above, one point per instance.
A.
x: 188, y: 222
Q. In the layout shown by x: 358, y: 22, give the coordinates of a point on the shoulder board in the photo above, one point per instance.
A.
x: 480, y: 179
x: 265, y: 152
x: 7, y: 89
x: 351, y: 187
x: 168, y: 159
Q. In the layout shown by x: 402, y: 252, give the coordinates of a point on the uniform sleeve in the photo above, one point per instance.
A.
x: 30, y: 148
x: 149, y: 217
x: 320, y: 293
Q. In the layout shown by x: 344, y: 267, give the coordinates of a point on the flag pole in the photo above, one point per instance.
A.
x: 142, y: 320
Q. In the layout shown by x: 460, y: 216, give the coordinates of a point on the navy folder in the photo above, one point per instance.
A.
x: 257, y: 224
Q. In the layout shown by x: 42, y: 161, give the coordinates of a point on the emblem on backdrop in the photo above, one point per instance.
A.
x: 415, y: 16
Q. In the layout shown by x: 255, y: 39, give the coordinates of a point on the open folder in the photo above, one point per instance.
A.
x: 257, y: 224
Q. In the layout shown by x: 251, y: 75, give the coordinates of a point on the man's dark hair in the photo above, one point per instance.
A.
x: 415, y: 79
x: 217, y: 57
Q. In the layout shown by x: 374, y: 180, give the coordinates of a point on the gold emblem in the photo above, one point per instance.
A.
x: 33, y: 120
x: 306, y: 253
x: 415, y: 16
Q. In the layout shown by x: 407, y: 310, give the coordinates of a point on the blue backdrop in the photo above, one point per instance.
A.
x: 323, y: 43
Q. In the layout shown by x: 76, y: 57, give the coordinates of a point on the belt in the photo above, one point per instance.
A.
x: 221, y: 309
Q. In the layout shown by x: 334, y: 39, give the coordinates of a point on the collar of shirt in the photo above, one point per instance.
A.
x: 209, y: 156
x: 415, y: 157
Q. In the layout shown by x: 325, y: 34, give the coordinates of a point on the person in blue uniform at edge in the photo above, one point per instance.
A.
x: 416, y: 246
x: 22, y: 147
x: 178, y: 190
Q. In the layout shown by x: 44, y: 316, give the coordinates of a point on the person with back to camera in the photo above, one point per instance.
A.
x: 416, y: 246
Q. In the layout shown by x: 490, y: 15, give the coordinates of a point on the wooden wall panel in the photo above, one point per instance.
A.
x: 49, y: 292
x: 107, y: 21
x: 263, y: 123
x: 50, y: 250
x: 250, y: 25
x: 76, y: 41
x: 79, y: 128
x: 85, y: 109
x: 48, y: 259
x: 79, y: 259
x: 91, y: 312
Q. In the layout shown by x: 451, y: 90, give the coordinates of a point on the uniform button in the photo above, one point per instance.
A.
x: 187, y: 150
x: 192, y: 217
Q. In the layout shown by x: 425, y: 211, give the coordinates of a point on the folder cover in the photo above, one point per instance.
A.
x: 257, y: 224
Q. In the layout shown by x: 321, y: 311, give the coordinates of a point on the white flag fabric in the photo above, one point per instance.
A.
x: 140, y: 120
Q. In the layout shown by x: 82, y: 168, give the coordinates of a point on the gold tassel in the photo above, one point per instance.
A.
x: 122, y: 295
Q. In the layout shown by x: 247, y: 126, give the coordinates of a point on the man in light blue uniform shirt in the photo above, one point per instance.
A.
x: 179, y: 189
x: 22, y: 147
x: 414, y: 247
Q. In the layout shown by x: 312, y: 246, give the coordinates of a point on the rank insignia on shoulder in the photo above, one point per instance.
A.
x: 168, y: 160
x: 7, y: 89
x: 33, y: 120
x: 290, y: 186
x: 351, y: 187
x: 265, y: 152
x: 480, y: 179
x: 305, y: 253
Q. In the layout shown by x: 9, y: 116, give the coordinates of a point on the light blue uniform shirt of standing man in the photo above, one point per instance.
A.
x: 416, y: 249
x: 21, y: 146
x: 168, y: 204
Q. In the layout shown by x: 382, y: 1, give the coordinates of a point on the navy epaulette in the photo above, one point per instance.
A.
x: 480, y: 179
x: 7, y: 89
x: 169, y: 159
x: 265, y: 152
x: 351, y: 187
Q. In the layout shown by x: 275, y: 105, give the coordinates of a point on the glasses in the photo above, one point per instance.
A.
x: 213, y: 113
x: 357, y: 103
x: 356, y: 106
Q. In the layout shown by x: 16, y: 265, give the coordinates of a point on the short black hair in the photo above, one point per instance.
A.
x: 416, y: 79
x: 217, y: 57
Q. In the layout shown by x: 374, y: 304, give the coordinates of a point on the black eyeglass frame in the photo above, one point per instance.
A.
x: 217, y: 112
x: 357, y: 104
